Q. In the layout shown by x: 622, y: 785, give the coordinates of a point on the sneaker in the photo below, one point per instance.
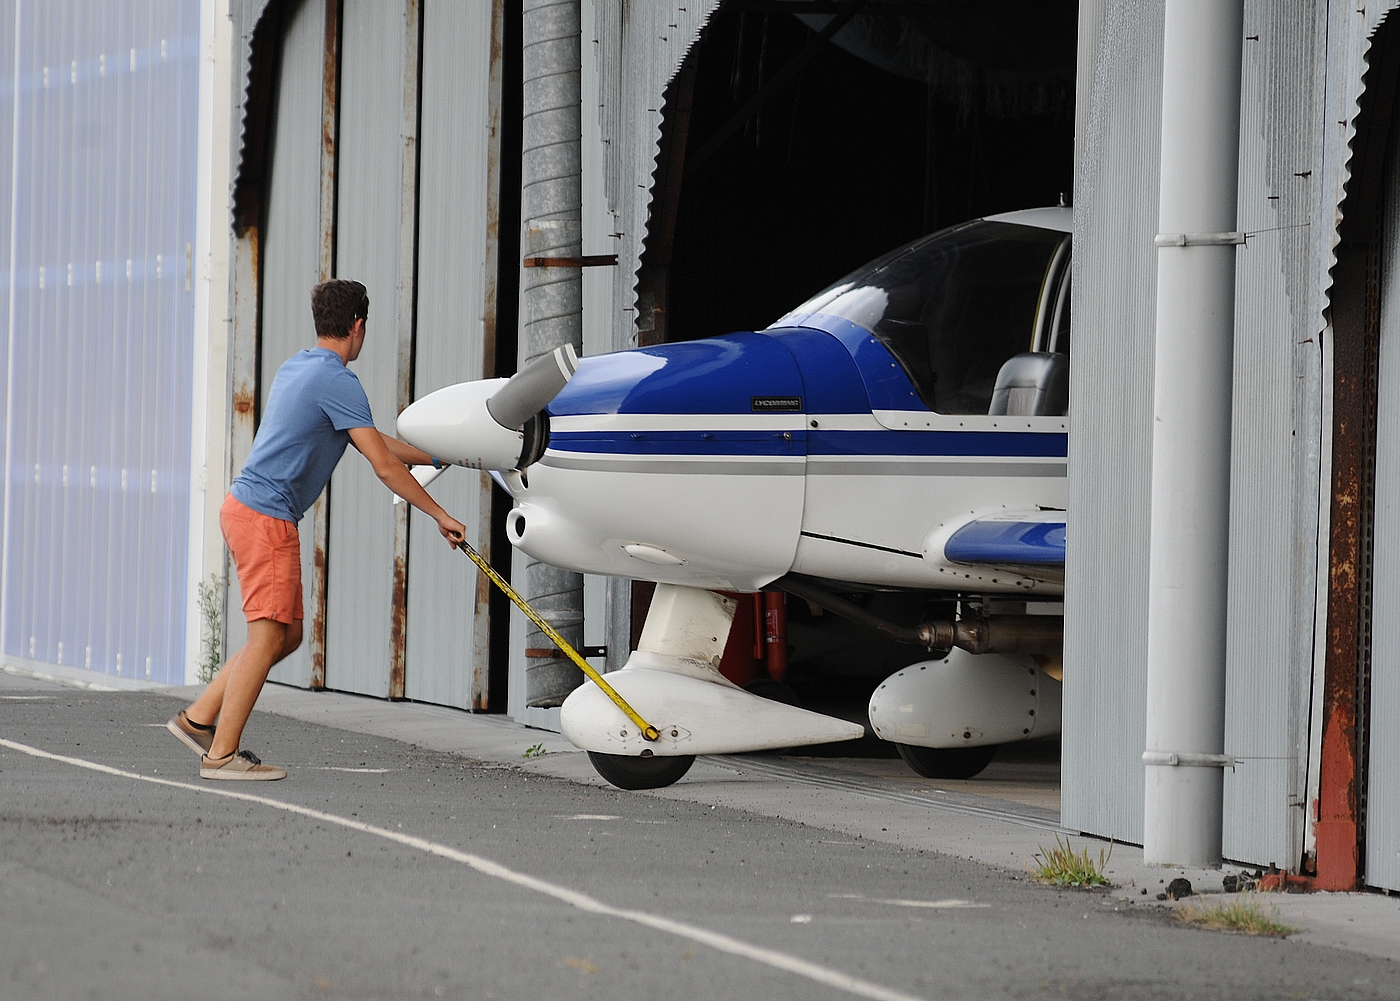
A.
x: 196, y: 736
x: 241, y: 766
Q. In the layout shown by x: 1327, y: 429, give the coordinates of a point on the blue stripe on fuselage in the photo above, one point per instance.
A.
x: 714, y: 443
x: 856, y: 443
x: 960, y: 443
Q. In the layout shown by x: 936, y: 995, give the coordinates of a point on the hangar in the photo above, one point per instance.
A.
x: 762, y: 147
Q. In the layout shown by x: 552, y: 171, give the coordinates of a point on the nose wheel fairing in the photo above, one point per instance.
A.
x: 673, y: 682
x: 697, y: 711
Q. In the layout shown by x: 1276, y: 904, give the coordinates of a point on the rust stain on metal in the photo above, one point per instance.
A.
x: 330, y: 129
x: 244, y: 361
x: 318, y: 620
x: 491, y: 263
x: 398, y: 628
x: 483, y: 588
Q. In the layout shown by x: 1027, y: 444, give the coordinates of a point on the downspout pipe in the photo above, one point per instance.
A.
x: 551, y: 298
x: 1184, y: 759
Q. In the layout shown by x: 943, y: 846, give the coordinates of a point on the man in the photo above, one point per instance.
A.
x: 316, y: 407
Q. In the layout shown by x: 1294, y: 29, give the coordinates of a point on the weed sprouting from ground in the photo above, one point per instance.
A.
x: 211, y: 611
x: 1063, y: 866
x: 535, y: 751
x: 1243, y: 914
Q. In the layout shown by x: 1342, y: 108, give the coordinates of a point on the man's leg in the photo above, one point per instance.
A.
x: 244, y: 675
x: 205, y: 710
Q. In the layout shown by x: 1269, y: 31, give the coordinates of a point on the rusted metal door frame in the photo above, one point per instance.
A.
x: 1340, y: 818
x: 406, y: 319
x: 330, y: 134
x: 1338, y: 824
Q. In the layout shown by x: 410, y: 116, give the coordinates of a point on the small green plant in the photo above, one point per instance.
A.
x: 1063, y: 866
x: 1242, y: 914
x: 211, y: 612
x: 535, y: 751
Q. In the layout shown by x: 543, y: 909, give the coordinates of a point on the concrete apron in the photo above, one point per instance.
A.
x: 826, y: 794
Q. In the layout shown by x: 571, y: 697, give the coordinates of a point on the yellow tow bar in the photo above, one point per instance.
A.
x: 648, y: 731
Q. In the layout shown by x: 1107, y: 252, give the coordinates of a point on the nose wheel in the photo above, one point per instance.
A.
x: 630, y: 772
x: 946, y: 762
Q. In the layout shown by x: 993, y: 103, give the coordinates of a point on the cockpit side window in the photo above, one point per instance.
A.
x: 954, y: 307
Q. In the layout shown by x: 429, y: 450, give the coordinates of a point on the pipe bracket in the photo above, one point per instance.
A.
x: 1173, y: 759
x: 1233, y: 238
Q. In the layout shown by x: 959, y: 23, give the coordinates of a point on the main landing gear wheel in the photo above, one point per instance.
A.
x: 946, y: 762
x: 629, y: 772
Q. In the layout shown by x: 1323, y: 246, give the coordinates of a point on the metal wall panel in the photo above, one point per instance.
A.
x: 1275, y: 461
x: 8, y: 91
x: 640, y: 48
x: 360, y: 552
x: 98, y: 418
x: 1117, y: 129
x: 448, y: 625
x: 291, y: 252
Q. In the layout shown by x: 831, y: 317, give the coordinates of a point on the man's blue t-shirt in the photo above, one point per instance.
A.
x: 314, y: 402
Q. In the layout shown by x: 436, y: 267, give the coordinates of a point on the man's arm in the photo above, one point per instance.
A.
x: 404, y: 452
x: 393, y: 473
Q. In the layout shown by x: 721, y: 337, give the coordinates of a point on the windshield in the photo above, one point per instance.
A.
x: 952, y: 307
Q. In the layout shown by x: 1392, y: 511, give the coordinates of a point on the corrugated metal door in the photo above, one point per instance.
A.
x: 1117, y: 129
x: 291, y: 249
x: 359, y: 598
x: 1275, y: 463
x: 98, y: 420
x: 447, y: 624
x: 1274, y: 481
x: 448, y: 628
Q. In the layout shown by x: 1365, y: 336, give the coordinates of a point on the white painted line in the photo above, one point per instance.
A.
x: 587, y: 816
x: 715, y: 940
x: 366, y: 771
x: 950, y: 904
x: 30, y: 698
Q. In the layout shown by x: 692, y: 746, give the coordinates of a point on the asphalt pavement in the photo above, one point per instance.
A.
x: 381, y: 869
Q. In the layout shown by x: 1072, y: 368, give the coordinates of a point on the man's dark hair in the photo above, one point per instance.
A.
x: 336, y: 305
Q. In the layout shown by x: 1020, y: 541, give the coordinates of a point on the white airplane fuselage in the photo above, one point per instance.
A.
x: 670, y: 464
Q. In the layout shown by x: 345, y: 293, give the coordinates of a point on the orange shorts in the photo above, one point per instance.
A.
x: 267, y: 556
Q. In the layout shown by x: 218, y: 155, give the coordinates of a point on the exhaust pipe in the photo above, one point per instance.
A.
x: 1030, y: 634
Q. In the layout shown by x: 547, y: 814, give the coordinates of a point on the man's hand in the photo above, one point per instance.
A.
x: 395, y: 475
x: 452, y: 530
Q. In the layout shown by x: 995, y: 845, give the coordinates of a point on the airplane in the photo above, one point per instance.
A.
x: 903, y: 430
